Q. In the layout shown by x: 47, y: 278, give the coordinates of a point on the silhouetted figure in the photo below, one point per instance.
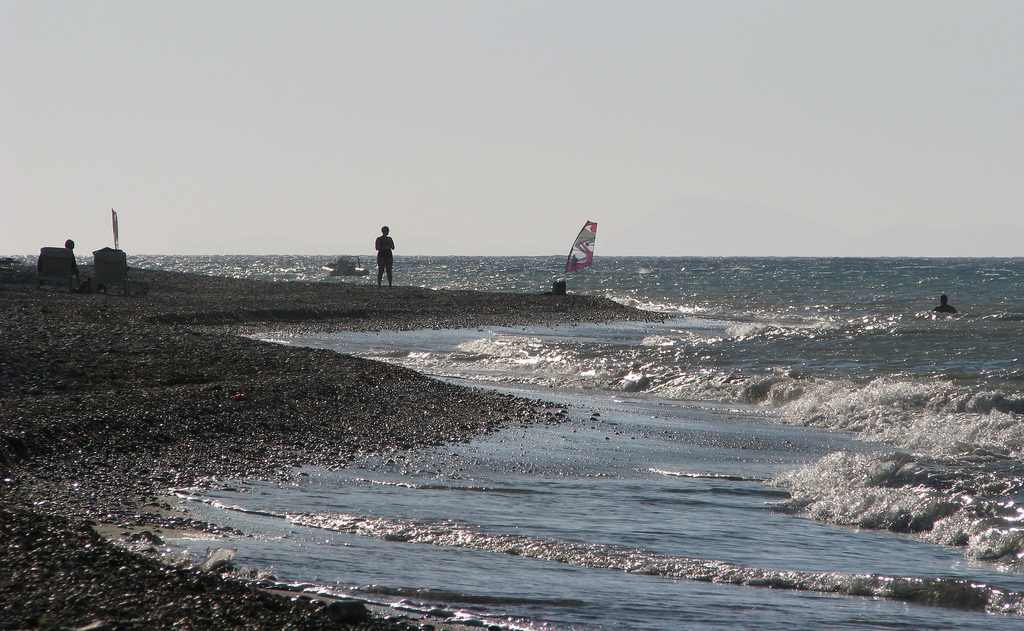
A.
x: 70, y: 245
x: 385, y: 258
x: 944, y: 306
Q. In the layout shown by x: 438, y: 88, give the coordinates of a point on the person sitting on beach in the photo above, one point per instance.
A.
x: 385, y: 258
x: 69, y: 244
x: 944, y: 306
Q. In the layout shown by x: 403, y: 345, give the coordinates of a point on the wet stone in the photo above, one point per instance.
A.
x: 348, y: 611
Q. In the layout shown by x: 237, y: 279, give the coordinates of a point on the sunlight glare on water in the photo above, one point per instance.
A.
x: 808, y: 425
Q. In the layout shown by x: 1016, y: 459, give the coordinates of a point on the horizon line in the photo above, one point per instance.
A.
x: 596, y: 258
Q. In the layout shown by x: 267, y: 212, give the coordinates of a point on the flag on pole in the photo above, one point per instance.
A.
x: 113, y: 219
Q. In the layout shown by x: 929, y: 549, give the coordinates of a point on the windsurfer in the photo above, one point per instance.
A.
x: 582, y: 252
x: 385, y: 259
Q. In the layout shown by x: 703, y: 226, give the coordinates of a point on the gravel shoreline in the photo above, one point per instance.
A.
x: 108, y: 402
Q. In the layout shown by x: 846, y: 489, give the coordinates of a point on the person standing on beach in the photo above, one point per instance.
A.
x: 385, y: 259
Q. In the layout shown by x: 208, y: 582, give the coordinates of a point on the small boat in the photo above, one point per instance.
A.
x: 346, y: 265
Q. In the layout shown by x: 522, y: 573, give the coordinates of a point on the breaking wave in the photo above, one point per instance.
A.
x: 972, y: 500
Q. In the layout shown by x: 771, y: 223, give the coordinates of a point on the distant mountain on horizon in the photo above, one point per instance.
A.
x: 708, y: 227
x: 684, y: 227
x: 971, y: 240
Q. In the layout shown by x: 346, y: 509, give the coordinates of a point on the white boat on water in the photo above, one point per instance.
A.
x: 346, y: 265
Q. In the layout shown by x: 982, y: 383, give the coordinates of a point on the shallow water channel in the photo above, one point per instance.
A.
x: 616, y: 518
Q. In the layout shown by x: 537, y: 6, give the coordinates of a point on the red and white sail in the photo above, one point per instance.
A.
x: 582, y: 252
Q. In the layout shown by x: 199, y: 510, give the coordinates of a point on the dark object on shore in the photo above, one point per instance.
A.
x: 558, y: 288
x: 8, y: 267
x: 56, y: 265
x: 348, y: 611
x: 111, y: 269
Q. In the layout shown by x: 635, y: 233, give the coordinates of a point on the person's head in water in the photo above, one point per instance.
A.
x: 944, y: 306
x: 385, y: 230
x: 69, y: 244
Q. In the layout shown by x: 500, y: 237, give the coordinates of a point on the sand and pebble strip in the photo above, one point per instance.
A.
x: 109, y: 402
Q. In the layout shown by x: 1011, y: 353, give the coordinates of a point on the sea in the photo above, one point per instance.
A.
x: 802, y: 443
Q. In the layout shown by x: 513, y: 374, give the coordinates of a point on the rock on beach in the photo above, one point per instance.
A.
x: 107, y: 402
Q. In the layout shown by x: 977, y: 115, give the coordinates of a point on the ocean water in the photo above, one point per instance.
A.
x: 803, y: 443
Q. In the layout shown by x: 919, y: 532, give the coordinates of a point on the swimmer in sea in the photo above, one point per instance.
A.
x: 944, y: 306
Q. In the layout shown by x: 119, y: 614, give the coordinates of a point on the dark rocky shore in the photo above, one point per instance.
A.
x: 107, y: 402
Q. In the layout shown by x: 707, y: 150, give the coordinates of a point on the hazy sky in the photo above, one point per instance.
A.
x: 477, y: 127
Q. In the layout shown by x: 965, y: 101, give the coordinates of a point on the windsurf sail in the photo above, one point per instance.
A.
x: 113, y: 219
x: 582, y: 252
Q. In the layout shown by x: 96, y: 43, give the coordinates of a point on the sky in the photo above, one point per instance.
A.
x: 484, y: 127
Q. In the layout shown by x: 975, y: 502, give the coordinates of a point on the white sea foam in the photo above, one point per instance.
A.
x: 946, y: 502
x: 935, y: 591
x: 935, y: 417
x: 513, y: 350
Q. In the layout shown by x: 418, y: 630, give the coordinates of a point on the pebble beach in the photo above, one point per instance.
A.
x: 109, y: 402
